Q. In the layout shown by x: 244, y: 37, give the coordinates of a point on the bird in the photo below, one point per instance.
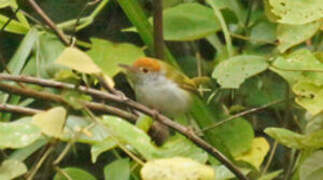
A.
x: 161, y: 86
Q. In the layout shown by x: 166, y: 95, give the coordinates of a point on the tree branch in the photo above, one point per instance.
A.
x: 158, y: 29
x: 18, y: 109
x: 48, y: 21
x: 123, y: 100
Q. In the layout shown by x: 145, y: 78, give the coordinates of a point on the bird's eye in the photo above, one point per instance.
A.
x: 145, y: 70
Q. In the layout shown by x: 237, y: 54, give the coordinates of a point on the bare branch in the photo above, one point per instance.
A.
x: 18, y: 109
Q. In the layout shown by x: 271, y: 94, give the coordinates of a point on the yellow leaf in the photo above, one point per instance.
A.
x: 257, y: 153
x: 178, y: 168
x: 51, y: 122
x: 78, y: 60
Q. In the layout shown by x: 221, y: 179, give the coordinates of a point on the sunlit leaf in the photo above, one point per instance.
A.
x: 100, y: 147
x: 312, y: 167
x: 297, y: 12
x: 138, y: 139
x: 18, y: 134
x: 223, y: 173
x: 14, y: 26
x: 117, y: 170
x: 263, y: 32
x: 74, y: 173
x: 232, y: 72
x: 78, y: 60
x: 4, y: 3
x: 11, y: 169
x: 291, y: 35
x: 294, y: 140
x: 257, y: 153
x: 178, y: 168
x: 51, y: 122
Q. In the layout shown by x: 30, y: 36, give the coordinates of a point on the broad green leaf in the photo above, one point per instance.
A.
x: 223, y: 173
x: 4, y: 3
x: 257, y: 153
x: 86, y: 130
x: 291, y: 35
x: 78, y: 60
x: 263, y: 32
x: 100, y: 147
x: 117, y: 170
x: 309, y: 96
x: 232, y: 72
x: 297, y: 11
x: 178, y: 168
x: 189, y: 21
x: 233, y: 5
x: 138, y: 139
x: 314, y: 123
x: 74, y: 174
x: 13, y: 26
x: 23, y: 153
x: 312, y: 167
x: 294, y: 140
x: 11, y: 169
x: 51, y: 122
x: 107, y: 55
x: 18, y: 134
x: 271, y: 175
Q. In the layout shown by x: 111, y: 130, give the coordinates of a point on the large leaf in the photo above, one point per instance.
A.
x: 18, y: 134
x: 178, y: 168
x: 189, y: 21
x: 138, y: 139
x: 297, y: 11
x: 294, y: 140
x: 291, y: 35
x: 11, y: 169
x: 107, y: 55
x: 51, y: 122
x: 74, y: 173
x: 102, y: 146
x: 312, y: 167
x: 232, y: 72
x: 14, y: 26
x: 117, y: 170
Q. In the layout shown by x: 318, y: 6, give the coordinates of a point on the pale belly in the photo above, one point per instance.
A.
x: 164, y: 96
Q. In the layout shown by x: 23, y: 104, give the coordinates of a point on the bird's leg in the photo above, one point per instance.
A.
x: 158, y: 132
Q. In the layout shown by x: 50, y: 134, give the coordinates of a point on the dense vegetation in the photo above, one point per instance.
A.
x: 63, y: 115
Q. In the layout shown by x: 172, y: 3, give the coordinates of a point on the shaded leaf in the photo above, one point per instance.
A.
x: 11, y: 169
x: 78, y: 60
x: 257, y: 153
x: 107, y: 55
x: 117, y: 170
x: 291, y: 35
x: 75, y: 174
x: 51, y: 122
x: 178, y: 168
x: 100, y: 147
x: 232, y: 72
x: 18, y: 134
x: 223, y: 173
x: 271, y: 175
x: 312, y: 167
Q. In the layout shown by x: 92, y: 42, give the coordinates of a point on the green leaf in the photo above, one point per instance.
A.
x: 314, y: 124
x: 297, y: 12
x: 178, y: 168
x: 74, y: 174
x: 263, y: 32
x: 51, y: 122
x: 138, y: 139
x: 23, y: 153
x: 271, y: 175
x: 193, y: 21
x: 107, y: 55
x: 291, y: 35
x: 100, y: 147
x: 312, y: 167
x: 14, y: 26
x: 11, y: 169
x: 232, y: 72
x: 76, y: 59
x: 117, y: 170
x: 223, y: 173
x: 18, y: 134
x: 4, y: 3
x: 294, y: 140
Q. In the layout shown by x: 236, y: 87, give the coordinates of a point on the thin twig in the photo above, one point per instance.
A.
x: 49, y: 22
x: 124, y: 100
x: 158, y: 29
x: 18, y: 109
x: 271, y: 157
x: 242, y: 114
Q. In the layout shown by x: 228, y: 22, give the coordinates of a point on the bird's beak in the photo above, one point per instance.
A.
x: 128, y: 68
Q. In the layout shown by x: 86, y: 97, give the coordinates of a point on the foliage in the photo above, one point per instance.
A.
x: 262, y: 107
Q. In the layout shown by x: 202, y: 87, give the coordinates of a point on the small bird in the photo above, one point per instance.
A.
x: 162, y: 87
